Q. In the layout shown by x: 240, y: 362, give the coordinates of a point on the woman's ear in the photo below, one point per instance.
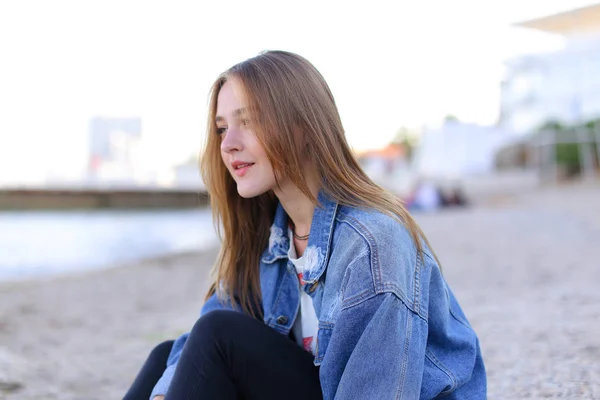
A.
x: 300, y: 139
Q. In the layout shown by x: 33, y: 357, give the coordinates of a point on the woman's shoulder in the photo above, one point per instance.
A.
x: 389, y: 257
x: 376, y: 228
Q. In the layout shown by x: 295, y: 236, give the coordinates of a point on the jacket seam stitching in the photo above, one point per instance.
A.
x: 445, y: 370
x: 414, y: 306
x: 426, y: 253
x: 349, y: 268
x: 458, y: 319
x: 329, y: 247
x: 417, y: 285
x: 402, y: 381
x: 395, y: 289
x: 367, y: 294
x: 366, y: 234
x: 358, y: 299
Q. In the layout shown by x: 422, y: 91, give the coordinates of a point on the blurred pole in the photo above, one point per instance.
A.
x: 582, y: 136
x: 552, y: 155
x: 597, y: 132
x: 540, y: 155
x: 532, y: 156
x: 586, y: 155
x: 547, y: 156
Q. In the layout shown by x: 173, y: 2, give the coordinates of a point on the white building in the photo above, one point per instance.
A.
x: 456, y: 150
x: 113, y: 146
x: 562, y: 85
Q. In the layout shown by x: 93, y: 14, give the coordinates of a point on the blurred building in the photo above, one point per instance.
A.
x: 562, y: 85
x: 187, y: 174
x: 113, y: 147
x: 388, y: 167
x: 455, y: 150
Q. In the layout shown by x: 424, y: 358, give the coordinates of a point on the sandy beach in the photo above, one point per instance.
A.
x: 525, y: 267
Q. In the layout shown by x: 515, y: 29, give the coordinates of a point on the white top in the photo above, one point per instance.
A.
x: 306, y: 325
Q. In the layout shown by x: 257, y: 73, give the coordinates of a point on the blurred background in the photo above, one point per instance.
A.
x: 478, y: 114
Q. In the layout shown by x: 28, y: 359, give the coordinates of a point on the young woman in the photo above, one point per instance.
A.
x: 325, y: 287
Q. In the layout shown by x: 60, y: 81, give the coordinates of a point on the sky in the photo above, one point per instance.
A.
x: 389, y: 64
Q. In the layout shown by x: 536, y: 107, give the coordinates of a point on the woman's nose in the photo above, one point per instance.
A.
x: 231, y: 141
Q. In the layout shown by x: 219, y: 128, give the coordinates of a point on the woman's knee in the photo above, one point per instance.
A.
x: 162, y: 348
x: 217, y: 325
x: 161, y: 351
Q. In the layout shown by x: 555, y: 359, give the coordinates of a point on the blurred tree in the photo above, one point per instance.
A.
x: 552, y: 125
x: 594, y: 129
x: 593, y: 124
x: 451, y: 118
x: 408, y: 139
x: 568, y: 155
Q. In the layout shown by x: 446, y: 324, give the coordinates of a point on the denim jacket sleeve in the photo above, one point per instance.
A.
x: 370, y: 360
x: 394, y: 329
x: 161, y: 387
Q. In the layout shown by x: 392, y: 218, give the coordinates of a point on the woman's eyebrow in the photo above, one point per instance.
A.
x: 237, y: 113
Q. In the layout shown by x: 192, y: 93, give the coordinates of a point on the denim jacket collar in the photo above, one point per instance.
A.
x: 279, y: 242
x: 319, y: 242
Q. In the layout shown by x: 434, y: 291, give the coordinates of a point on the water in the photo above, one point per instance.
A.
x: 42, y: 243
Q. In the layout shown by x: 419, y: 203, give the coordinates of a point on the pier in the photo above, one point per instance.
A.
x: 82, y: 197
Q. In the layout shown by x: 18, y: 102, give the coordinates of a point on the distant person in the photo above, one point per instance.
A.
x: 457, y: 197
x: 325, y: 287
x: 426, y: 197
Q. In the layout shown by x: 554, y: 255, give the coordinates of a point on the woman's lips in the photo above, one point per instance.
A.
x: 242, y: 169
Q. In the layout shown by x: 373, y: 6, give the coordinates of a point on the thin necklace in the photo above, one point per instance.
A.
x: 305, y: 237
x: 298, y: 237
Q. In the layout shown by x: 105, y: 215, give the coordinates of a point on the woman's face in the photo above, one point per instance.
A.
x: 241, y: 151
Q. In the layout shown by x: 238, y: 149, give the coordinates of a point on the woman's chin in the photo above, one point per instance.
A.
x: 248, y: 192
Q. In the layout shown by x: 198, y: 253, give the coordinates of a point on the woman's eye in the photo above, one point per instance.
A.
x: 220, y: 131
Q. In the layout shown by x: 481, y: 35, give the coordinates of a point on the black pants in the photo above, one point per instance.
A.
x: 150, y: 373
x: 229, y: 355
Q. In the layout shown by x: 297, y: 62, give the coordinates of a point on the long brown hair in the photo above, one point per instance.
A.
x: 294, y: 114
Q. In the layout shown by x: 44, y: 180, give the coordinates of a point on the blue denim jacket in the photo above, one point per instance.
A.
x: 389, y: 326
